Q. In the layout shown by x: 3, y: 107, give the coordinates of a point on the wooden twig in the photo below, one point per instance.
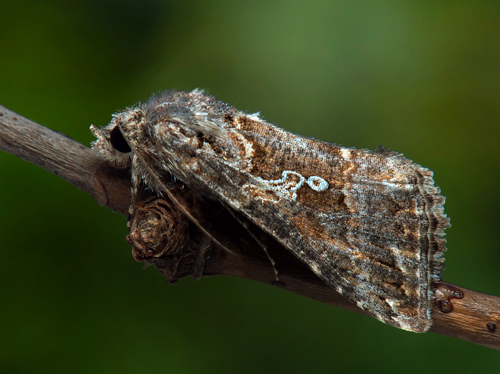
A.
x: 66, y: 158
x: 458, y: 312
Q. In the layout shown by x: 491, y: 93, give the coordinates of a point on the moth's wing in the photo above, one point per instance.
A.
x: 368, y: 223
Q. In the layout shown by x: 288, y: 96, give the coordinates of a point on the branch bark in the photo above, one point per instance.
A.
x: 458, y: 312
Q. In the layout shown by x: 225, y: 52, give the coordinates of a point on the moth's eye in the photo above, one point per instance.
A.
x: 118, y: 141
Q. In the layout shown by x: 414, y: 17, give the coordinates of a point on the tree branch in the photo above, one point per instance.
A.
x: 458, y: 312
x: 66, y: 158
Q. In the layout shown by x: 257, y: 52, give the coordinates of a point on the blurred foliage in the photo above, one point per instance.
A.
x: 419, y: 77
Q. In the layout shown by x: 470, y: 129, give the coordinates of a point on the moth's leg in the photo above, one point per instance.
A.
x: 172, y: 276
x: 260, y: 242
x: 132, y: 206
x: 200, y: 261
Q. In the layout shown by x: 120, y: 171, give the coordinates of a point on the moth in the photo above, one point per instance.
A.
x: 369, y: 223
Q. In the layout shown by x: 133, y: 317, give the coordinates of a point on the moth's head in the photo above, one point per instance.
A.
x: 111, y: 143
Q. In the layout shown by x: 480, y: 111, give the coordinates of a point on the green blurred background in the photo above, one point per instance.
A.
x: 419, y: 77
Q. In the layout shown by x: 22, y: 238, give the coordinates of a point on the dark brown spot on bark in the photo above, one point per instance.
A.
x: 444, y: 306
x: 491, y: 326
x: 444, y: 293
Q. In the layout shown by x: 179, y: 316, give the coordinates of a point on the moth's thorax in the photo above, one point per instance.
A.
x: 174, y: 134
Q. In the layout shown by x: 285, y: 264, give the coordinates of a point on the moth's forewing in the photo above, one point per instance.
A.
x: 368, y: 223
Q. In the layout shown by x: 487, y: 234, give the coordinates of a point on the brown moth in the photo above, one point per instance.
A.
x: 368, y: 223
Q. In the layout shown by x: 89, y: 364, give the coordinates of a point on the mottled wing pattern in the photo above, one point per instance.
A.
x: 369, y: 223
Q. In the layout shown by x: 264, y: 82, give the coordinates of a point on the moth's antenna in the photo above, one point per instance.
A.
x: 259, y: 242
